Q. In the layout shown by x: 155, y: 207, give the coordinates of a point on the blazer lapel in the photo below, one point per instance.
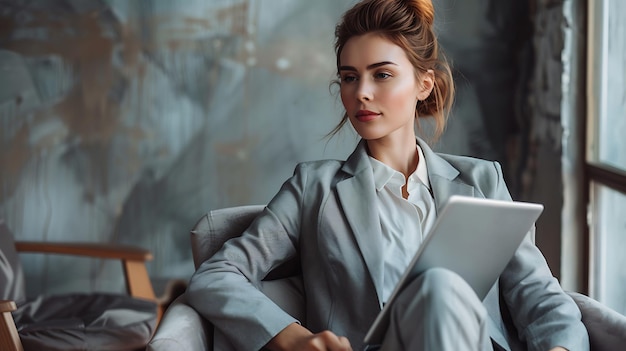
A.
x: 443, y: 177
x: 357, y: 195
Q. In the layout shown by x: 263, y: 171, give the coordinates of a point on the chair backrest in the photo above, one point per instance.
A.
x: 216, y: 227
x: 12, y: 283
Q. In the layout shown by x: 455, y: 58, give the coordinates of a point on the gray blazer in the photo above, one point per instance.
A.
x: 325, y: 216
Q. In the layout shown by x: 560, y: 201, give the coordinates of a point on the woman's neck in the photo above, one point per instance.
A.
x: 397, y: 153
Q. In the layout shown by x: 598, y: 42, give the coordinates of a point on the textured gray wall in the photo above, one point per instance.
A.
x: 124, y: 121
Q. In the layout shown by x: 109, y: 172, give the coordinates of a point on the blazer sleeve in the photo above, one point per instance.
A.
x: 544, y: 315
x: 224, y: 289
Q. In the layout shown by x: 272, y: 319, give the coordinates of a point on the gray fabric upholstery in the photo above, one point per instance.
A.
x: 96, y: 321
x: 216, y: 227
x: 181, y: 328
x: 607, y: 328
x: 85, y: 322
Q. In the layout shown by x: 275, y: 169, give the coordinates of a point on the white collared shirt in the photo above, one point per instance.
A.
x: 403, y: 222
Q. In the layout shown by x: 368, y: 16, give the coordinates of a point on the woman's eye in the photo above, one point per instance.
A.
x: 382, y: 75
x: 348, y: 79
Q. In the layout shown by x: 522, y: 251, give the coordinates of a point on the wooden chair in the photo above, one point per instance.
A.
x: 137, y: 281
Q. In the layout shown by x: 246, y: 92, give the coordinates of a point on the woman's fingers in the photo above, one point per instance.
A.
x: 333, y: 342
x: 297, y: 338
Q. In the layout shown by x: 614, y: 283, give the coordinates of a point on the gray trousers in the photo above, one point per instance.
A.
x: 438, y: 311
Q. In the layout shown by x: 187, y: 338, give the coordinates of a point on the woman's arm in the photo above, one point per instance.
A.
x: 225, y: 288
x: 543, y: 313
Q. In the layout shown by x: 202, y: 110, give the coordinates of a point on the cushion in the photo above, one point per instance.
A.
x: 12, y: 286
x: 85, y: 322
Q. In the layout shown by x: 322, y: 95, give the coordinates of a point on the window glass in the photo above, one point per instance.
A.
x: 608, y: 240
x: 611, y: 141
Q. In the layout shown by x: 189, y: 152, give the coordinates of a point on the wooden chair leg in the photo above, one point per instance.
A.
x: 138, y: 283
x: 9, y: 338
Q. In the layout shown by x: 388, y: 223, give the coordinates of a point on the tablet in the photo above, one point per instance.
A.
x: 473, y: 237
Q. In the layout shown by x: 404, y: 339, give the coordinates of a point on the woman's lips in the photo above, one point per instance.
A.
x: 366, y: 115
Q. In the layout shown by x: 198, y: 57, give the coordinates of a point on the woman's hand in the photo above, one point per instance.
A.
x: 297, y: 338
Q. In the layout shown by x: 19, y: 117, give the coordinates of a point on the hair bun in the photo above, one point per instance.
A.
x: 423, y: 8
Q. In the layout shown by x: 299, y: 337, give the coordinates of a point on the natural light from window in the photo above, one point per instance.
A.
x: 606, y: 152
x: 612, y: 143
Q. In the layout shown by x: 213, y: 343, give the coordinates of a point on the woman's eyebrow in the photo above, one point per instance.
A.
x: 372, y: 66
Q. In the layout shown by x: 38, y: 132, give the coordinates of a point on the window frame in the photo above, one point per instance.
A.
x: 594, y: 171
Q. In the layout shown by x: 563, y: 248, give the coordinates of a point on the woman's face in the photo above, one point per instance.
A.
x: 379, y: 89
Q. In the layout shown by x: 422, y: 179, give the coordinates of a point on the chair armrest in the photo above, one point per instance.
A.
x: 9, y: 338
x: 7, y: 306
x: 606, y: 328
x: 108, y: 251
x: 133, y: 259
x: 182, y: 328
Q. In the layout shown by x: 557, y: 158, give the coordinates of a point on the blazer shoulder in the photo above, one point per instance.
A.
x: 319, y: 172
x: 313, y: 181
x: 483, y: 174
x: 320, y: 168
x: 465, y: 163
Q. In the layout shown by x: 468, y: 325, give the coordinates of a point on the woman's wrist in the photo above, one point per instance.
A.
x: 288, y: 337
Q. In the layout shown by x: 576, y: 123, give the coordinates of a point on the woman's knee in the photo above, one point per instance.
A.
x: 440, y: 287
x: 442, y: 281
x: 438, y: 292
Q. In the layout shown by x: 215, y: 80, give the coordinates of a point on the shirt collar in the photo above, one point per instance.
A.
x: 383, y: 173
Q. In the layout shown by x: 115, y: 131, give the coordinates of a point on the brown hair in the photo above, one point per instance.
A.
x: 408, y: 24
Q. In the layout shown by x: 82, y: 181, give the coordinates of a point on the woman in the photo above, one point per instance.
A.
x: 354, y: 225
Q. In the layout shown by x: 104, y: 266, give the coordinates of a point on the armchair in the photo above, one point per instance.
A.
x: 183, y: 329
x: 75, y: 321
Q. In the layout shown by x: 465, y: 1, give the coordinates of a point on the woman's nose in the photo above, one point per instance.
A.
x: 364, y: 91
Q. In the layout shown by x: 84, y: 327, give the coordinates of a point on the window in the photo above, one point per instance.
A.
x: 606, y: 152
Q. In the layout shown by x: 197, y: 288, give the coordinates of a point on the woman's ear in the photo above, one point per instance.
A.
x: 426, y: 83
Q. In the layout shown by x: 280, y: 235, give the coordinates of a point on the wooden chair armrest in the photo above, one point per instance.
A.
x: 133, y: 259
x: 7, y: 306
x: 107, y: 251
x: 9, y: 338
